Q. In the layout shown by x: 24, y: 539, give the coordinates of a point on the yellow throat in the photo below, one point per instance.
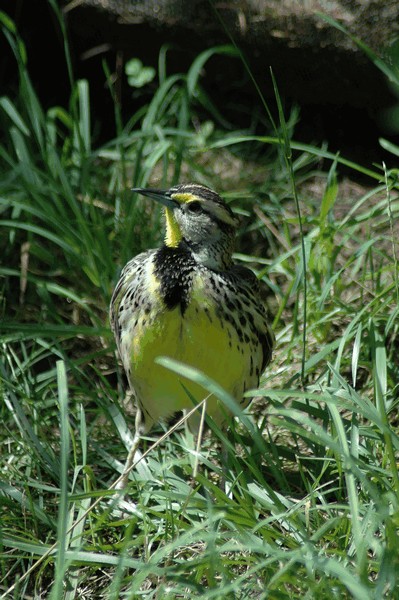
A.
x: 173, y: 234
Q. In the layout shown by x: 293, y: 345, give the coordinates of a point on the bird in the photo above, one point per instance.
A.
x: 189, y: 301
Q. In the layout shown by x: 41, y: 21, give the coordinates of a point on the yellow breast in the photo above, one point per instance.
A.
x: 198, y: 338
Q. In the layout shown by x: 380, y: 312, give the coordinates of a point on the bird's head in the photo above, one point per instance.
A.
x: 197, y: 218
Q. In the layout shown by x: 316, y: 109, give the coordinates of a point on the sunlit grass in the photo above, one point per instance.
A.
x: 313, y: 508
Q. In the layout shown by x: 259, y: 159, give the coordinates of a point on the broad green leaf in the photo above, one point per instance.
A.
x: 137, y: 74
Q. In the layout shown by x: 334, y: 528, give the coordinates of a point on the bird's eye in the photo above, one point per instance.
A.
x: 194, y: 207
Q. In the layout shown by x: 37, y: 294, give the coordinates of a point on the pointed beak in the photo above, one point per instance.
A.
x: 161, y: 196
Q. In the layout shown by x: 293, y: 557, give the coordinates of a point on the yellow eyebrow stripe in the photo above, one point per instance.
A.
x: 184, y: 197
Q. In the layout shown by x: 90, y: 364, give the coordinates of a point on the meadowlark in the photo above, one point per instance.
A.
x: 187, y: 300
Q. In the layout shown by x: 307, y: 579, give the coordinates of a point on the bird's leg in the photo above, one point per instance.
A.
x: 194, y: 427
x: 140, y: 429
x: 122, y: 483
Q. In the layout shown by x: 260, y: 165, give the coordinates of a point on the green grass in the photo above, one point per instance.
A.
x: 313, y: 511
